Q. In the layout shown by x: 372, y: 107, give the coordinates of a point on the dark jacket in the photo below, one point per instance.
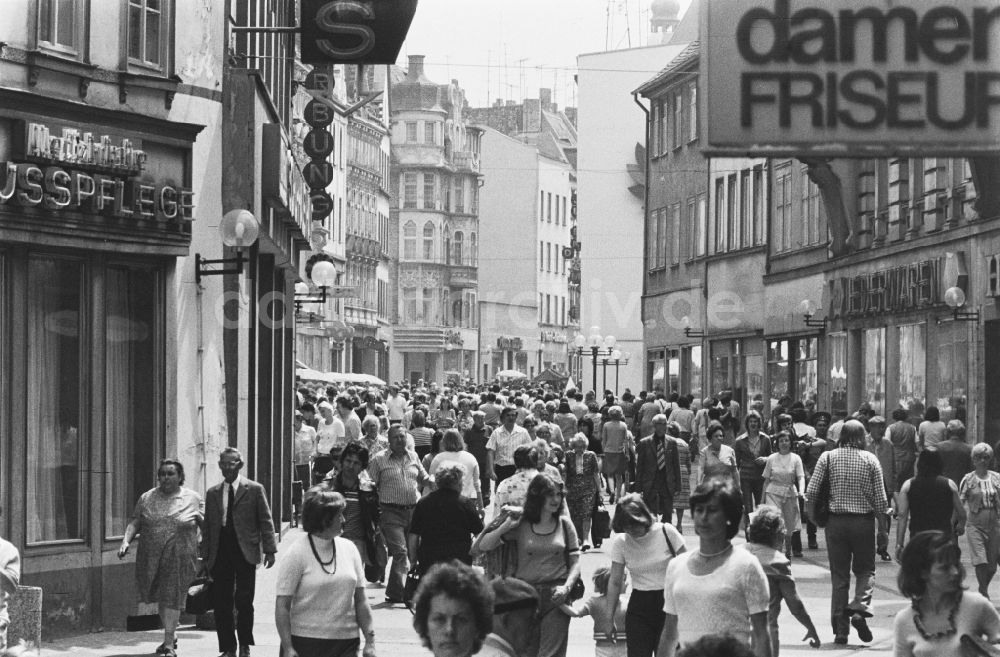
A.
x: 745, y: 459
x: 251, y: 520
x: 646, y: 469
x: 446, y: 522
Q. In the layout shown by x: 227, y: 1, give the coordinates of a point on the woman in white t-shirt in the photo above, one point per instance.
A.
x: 453, y: 451
x: 720, y: 588
x: 645, y: 547
x: 321, y: 603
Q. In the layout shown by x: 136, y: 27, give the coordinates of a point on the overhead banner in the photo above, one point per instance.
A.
x: 354, y: 31
x: 835, y: 78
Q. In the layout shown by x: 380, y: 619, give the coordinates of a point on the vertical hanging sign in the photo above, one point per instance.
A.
x: 319, y: 143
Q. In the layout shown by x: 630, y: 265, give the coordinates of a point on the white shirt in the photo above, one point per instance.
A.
x: 225, y: 495
x: 396, y: 407
x: 647, y: 558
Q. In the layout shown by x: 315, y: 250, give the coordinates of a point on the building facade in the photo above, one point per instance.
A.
x: 835, y: 284
x: 543, y: 139
x: 435, y: 177
x: 525, y: 299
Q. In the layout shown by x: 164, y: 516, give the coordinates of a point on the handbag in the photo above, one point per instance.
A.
x: 600, y: 527
x: 501, y: 561
x: 410, y: 586
x: 821, y: 505
x: 199, y: 597
x: 974, y: 646
x: 579, y: 588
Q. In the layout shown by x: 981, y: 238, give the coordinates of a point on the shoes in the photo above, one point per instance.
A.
x: 244, y: 651
x: 393, y: 601
x: 797, y: 553
x: 813, y: 545
x: 228, y: 653
x: 162, y: 648
x: 885, y: 555
x: 584, y: 547
x: 858, y: 623
x: 840, y: 639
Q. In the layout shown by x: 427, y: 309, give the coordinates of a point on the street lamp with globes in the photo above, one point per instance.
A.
x: 238, y: 228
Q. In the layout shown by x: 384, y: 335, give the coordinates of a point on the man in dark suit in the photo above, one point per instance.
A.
x: 239, y: 531
x: 658, y: 470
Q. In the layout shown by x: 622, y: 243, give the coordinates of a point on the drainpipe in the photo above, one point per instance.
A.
x: 645, y: 217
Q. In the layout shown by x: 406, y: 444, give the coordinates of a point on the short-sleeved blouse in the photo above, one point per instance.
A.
x: 723, y: 464
x: 975, y: 616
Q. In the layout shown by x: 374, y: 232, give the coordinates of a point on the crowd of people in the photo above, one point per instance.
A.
x: 473, y: 506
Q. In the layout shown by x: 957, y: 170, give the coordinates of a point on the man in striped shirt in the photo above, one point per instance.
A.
x: 857, y: 496
x: 397, y: 475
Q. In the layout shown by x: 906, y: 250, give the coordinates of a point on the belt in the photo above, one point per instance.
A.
x: 403, y: 507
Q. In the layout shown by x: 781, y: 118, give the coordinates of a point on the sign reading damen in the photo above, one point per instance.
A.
x: 843, y: 78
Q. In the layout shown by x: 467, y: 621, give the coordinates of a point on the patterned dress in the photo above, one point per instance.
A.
x: 167, y: 559
x: 684, y: 458
x: 580, y: 485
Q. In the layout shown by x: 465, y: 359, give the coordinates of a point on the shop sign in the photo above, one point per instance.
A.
x: 553, y: 336
x: 454, y: 338
x: 319, y: 143
x: 354, y: 31
x: 839, y: 77
x: 509, y: 344
x: 896, y: 290
x: 36, y: 142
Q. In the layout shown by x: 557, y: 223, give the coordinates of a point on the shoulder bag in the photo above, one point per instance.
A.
x: 579, y: 588
x: 821, y: 505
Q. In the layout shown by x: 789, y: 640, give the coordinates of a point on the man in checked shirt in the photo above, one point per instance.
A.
x: 857, y: 496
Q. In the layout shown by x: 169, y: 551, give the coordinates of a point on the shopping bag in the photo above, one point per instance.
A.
x: 199, y: 597
x: 600, y: 525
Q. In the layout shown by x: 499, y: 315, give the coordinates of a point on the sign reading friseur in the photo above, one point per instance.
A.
x: 851, y: 78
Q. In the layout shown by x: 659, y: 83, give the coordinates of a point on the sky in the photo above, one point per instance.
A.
x: 539, y: 40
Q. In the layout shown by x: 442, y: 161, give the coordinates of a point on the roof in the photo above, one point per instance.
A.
x: 687, y: 56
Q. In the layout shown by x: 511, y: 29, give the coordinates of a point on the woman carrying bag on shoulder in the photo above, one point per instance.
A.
x: 548, y: 558
x: 645, y: 547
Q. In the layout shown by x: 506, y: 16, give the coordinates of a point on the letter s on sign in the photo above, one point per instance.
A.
x: 325, y: 21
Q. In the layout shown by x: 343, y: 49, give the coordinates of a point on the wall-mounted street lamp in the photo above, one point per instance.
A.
x: 808, y: 310
x: 239, y: 228
x: 688, y: 331
x: 323, y: 275
x: 955, y: 298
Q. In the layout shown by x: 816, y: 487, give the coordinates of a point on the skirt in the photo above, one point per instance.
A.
x: 789, y: 507
x: 982, y: 532
x: 614, y: 463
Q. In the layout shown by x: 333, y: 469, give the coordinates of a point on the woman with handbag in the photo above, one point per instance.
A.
x: 942, y: 617
x: 547, y: 557
x: 168, y: 519
x: 583, y: 486
x: 645, y: 547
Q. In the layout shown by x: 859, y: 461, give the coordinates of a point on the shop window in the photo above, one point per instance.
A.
x: 62, y: 26
x: 147, y: 33
x: 912, y: 368
x: 692, y: 356
x: 656, y: 370
x: 57, y: 451
x: 778, y: 371
x: 838, y: 374
x: 806, y: 372
x: 130, y: 401
x: 873, y: 366
x: 953, y: 371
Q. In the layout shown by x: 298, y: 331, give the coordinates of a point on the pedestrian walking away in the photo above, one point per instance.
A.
x: 239, y: 533
x: 857, y: 494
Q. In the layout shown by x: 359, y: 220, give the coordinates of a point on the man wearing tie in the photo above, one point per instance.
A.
x: 658, y: 470
x: 238, y: 529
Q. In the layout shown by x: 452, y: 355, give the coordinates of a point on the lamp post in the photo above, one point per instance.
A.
x: 239, y: 229
x: 599, y: 346
x: 323, y: 276
x: 619, y: 359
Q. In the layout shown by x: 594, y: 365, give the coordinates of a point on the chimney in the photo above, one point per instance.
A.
x: 416, y: 67
x: 545, y: 96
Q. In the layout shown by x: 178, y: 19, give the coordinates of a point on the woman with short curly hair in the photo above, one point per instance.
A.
x: 453, y: 610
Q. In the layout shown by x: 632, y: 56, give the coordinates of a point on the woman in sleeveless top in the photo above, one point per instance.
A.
x: 929, y: 501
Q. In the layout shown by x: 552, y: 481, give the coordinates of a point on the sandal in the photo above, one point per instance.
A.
x: 162, y: 649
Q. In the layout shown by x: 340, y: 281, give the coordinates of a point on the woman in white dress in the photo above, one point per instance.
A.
x: 784, y: 484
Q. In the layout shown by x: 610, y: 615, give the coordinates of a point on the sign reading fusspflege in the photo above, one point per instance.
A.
x: 845, y: 77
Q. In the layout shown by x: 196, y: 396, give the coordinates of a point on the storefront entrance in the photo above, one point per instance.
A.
x: 992, y: 369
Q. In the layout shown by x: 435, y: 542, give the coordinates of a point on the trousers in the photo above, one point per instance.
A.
x: 234, y: 580
x: 395, y: 524
x: 850, y: 543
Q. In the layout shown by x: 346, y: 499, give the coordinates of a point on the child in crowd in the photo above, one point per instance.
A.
x: 598, y: 606
x: 766, y: 541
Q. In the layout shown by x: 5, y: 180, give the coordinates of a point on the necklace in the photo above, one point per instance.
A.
x: 714, y: 554
x: 324, y: 564
x: 918, y: 620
